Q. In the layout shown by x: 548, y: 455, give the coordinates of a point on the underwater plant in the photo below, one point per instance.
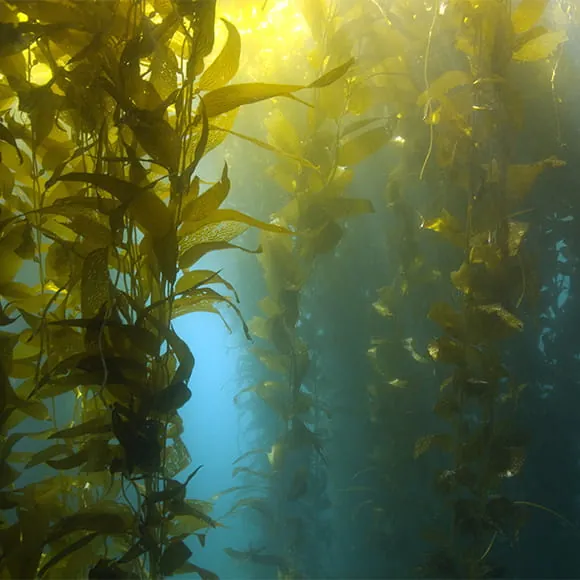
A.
x: 473, y: 113
x: 107, y: 110
x: 346, y: 126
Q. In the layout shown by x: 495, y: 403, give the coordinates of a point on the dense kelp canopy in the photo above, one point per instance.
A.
x: 397, y: 179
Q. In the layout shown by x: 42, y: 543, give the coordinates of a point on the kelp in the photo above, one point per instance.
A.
x: 479, y: 190
x: 105, y: 117
x: 315, y: 166
x: 107, y: 111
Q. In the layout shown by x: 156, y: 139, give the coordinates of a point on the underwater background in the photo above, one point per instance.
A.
x: 287, y: 289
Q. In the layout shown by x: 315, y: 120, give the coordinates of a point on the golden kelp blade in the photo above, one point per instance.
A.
x: 231, y: 97
x: 232, y: 215
x: 541, y: 47
x: 526, y: 14
x: 224, y: 68
x: 149, y: 211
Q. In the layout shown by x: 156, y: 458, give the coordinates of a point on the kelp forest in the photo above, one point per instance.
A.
x: 362, y: 214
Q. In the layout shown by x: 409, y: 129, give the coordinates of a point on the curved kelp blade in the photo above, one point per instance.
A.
x: 232, y: 215
x: 67, y: 551
x: 6, y: 135
x: 224, y: 68
x: 152, y: 215
x: 268, y: 147
x: 233, y: 96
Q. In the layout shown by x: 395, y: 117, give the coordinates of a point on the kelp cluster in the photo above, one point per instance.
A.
x: 477, y: 204
x: 321, y: 153
x: 107, y: 110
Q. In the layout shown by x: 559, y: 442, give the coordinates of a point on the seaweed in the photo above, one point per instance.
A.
x: 112, y: 106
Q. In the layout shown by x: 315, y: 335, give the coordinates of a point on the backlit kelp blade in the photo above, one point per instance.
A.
x: 231, y: 97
